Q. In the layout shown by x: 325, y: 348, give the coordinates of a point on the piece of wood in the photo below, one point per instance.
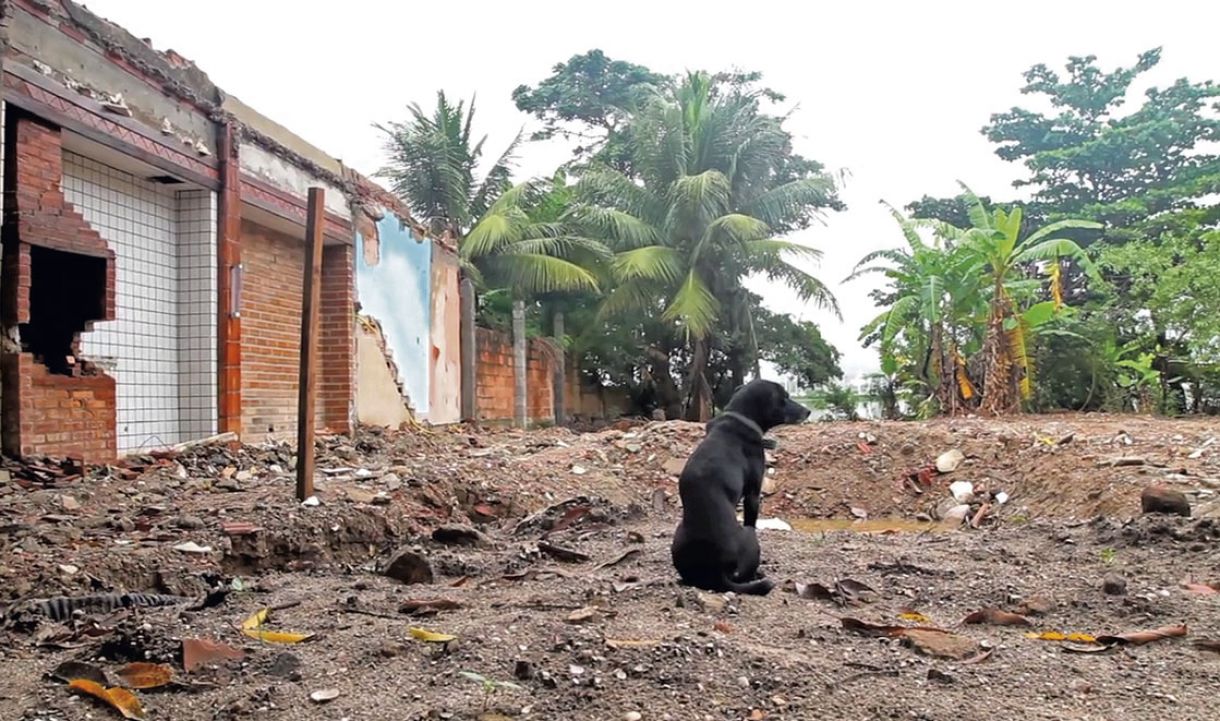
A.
x: 307, y: 382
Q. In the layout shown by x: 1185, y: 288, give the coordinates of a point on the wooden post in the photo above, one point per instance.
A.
x: 307, y: 382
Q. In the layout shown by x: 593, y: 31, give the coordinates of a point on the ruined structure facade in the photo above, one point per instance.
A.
x: 153, y: 256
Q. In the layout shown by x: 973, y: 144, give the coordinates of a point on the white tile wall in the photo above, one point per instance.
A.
x: 161, y: 347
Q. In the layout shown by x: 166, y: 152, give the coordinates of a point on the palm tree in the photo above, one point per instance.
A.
x: 698, y: 218
x: 433, y: 166
x: 509, y: 236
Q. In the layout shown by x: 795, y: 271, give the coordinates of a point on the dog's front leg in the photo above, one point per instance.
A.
x: 751, y: 502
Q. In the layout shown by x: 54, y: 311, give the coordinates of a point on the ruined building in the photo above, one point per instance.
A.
x: 153, y: 253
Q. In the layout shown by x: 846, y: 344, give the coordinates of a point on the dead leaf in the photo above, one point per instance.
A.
x: 197, y: 652
x: 562, y: 553
x: 583, y: 615
x: 722, y: 627
x: 632, y: 643
x: 618, y: 559
x: 324, y: 695
x: 1139, y: 638
x: 996, y: 617
x: 428, y: 606
x: 120, y: 699
x: 907, y: 614
x: 981, y: 656
x: 812, y: 591
x: 854, y: 590
x: 423, y: 634
x: 1208, y: 644
x: 1035, y: 606
x: 460, y: 582
x: 1061, y: 636
x: 1203, y: 589
x: 140, y: 674
x: 941, y: 644
x: 871, y: 629
x: 69, y: 670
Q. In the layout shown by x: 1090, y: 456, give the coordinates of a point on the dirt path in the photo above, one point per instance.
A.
x: 650, y: 647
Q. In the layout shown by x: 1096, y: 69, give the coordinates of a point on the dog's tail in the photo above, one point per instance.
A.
x: 759, y: 587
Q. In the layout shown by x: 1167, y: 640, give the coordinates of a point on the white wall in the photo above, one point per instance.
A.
x: 161, y: 347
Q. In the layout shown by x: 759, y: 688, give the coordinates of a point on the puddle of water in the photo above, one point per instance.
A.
x: 869, y: 525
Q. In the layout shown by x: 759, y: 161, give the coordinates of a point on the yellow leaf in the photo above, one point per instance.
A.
x: 255, y: 620
x: 1060, y: 636
x: 268, y: 636
x: 253, y: 627
x: 120, y: 699
x: 963, y: 380
x: 423, y: 634
x: 145, y: 675
x: 914, y: 617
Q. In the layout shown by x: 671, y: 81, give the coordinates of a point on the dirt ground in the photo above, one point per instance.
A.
x: 596, y: 627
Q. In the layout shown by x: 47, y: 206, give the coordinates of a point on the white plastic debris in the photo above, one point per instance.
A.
x: 963, y: 491
x: 773, y: 524
x: 311, y: 502
x: 1001, y: 498
x: 579, y: 470
x: 192, y: 547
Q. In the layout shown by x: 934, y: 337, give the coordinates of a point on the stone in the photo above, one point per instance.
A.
x: 409, y: 566
x: 190, y: 523
x: 286, y: 665
x: 391, y: 481
x: 1114, y: 585
x: 949, y: 461
x: 460, y: 535
x: 391, y: 649
x: 936, y: 643
x: 69, y: 503
x: 674, y: 466
x: 1160, y: 499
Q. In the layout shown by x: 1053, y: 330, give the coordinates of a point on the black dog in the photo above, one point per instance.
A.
x: 710, y: 550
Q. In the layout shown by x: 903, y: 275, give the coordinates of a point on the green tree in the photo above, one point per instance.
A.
x: 698, y: 218
x: 796, y: 348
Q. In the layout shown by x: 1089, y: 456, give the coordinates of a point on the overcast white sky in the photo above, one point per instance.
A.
x: 894, y: 92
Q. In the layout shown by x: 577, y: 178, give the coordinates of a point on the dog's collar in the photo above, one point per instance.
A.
x: 751, y: 425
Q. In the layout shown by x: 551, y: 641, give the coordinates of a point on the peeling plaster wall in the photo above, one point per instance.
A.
x: 396, y: 290
x: 277, y: 172
x: 378, y: 402
x: 445, y: 404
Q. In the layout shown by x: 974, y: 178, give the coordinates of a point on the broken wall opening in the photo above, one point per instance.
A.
x: 67, y: 293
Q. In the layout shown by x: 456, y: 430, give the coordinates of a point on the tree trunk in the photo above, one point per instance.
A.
x: 999, y: 391
x: 669, y: 398
x: 520, y: 407
x: 699, y: 393
x: 561, y: 372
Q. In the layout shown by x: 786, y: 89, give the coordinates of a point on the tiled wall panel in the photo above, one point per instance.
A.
x: 161, y: 346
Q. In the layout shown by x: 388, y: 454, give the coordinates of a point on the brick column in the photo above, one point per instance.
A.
x: 228, y: 252
x: 337, y: 347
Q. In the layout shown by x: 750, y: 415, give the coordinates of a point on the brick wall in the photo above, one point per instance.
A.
x: 271, y: 333
x: 494, y: 379
x: 70, y: 412
x: 58, y: 415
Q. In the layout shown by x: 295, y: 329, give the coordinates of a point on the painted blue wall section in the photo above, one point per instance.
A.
x: 397, y: 293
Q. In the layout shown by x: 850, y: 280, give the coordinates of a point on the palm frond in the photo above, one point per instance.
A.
x: 533, y: 273
x: 975, y: 209
x: 617, y: 228
x: 781, y: 205
x: 654, y: 262
x: 694, y: 305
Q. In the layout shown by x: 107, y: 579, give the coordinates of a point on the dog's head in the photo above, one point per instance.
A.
x: 767, y: 404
